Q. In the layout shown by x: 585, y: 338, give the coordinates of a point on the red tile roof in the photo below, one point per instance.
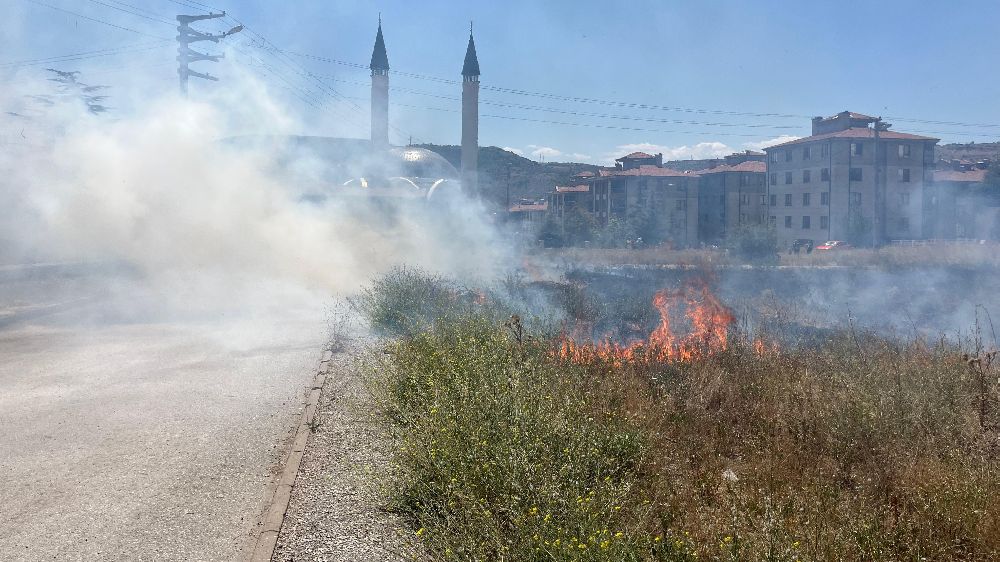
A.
x: 748, y: 166
x: 572, y: 189
x: 634, y: 156
x: 965, y: 176
x: 854, y: 133
x: 646, y: 171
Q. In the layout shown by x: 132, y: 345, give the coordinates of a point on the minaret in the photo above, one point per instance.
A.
x: 470, y: 118
x: 380, y: 91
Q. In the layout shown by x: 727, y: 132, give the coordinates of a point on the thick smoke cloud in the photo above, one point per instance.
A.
x: 204, y: 219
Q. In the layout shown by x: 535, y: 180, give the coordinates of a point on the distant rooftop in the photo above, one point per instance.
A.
x: 572, y: 188
x: 854, y: 133
x: 646, y: 171
x: 635, y: 156
x: 748, y: 166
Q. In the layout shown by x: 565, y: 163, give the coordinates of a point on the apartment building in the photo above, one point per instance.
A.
x: 566, y: 199
x: 959, y: 205
x: 836, y: 184
x: 640, y: 187
x: 732, y: 194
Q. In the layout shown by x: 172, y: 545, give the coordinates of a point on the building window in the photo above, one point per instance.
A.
x: 806, y: 176
x: 824, y: 150
x: 772, y: 220
x: 824, y: 198
x: 805, y: 153
x: 856, y: 198
x: 788, y: 222
x: 855, y: 174
x: 774, y: 200
x: 805, y: 199
x: 904, y: 224
x: 763, y: 199
x: 788, y: 178
x: 681, y: 204
x: 774, y: 156
x: 743, y: 218
x: 745, y: 199
x: 904, y: 198
x: 824, y: 222
x: 857, y: 149
x: 904, y: 151
x: 788, y: 156
x: 824, y: 174
x: 805, y: 222
x: 774, y: 179
x: 788, y: 199
x: 904, y: 175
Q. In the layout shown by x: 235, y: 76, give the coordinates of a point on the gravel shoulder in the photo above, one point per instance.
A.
x: 336, y: 512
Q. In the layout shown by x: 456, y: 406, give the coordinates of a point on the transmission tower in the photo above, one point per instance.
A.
x: 185, y: 55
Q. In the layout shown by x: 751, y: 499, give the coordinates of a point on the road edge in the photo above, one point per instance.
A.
x: 270, y: 525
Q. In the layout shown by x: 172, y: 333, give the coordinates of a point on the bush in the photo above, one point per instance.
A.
x: 405, y: 301
x: 755, y: 243
x: 863, y: 449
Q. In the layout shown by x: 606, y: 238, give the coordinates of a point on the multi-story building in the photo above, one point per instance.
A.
x: 639, y: 188
x: 731, y: 194
x: 566, y: 199
x: 959, y: 204
x: 839, y: 184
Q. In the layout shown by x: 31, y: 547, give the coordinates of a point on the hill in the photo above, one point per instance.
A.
x: 499, y: 168
x: 969, y: 151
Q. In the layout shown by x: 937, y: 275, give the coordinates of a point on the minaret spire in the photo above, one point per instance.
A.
x: 380, y: 90
x: 470, y: 117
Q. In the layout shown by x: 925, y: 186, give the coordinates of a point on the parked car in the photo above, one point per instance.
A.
x: 833, y: 245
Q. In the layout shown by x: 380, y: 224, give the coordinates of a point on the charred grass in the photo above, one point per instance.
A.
x: 859, y: 448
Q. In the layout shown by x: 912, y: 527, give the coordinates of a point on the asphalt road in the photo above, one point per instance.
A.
x: 132, y: 435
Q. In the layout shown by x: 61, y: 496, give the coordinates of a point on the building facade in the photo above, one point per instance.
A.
x: 732, y: 194
x: 641, y: 191
x: 960, y: 205
x: 842, y: 184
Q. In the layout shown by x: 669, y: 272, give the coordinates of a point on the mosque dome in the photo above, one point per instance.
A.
x: 325, y: 166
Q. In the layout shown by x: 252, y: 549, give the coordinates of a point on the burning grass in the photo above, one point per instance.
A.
x: 861, y: 449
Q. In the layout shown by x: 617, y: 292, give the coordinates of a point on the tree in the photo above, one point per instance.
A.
x: 859, y: 231
x: 754, y: 242
x: 550, y: 233
x: 579, y: 226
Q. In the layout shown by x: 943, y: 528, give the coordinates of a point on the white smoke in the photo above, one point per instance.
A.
x: 200, y: 218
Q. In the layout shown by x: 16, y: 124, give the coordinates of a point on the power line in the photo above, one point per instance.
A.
x: 585, y: 114
x: 127, y: 11
x: 87, y: 54
x: 635, y: 105
x: 79, y: 15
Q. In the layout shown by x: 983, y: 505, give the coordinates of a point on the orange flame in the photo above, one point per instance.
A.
x: 709, y: 321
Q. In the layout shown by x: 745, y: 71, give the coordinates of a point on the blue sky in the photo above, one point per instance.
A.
x: 710, y: 73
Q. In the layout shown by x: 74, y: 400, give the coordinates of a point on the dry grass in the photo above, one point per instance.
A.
x: 972, y: 256
x: 865, y: 449
x: 958, y: 255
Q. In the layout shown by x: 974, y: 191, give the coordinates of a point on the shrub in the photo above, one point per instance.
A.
x: 862, y: 448
x: 755, y: 243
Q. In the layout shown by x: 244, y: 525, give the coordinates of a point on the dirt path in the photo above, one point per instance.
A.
x: 335, y: 513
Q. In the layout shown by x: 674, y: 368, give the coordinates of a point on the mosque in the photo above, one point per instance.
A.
x: 375, y: 168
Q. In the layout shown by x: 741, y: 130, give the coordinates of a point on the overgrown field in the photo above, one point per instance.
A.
x: 859, y: 448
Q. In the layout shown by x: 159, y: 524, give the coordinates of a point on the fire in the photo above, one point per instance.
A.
x: 709, y: 321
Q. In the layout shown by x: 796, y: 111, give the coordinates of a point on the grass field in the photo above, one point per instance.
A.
x: 953, y: 255
x: 857, y: 448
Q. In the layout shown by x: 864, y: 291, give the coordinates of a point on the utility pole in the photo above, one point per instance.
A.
x: 186, y: 36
